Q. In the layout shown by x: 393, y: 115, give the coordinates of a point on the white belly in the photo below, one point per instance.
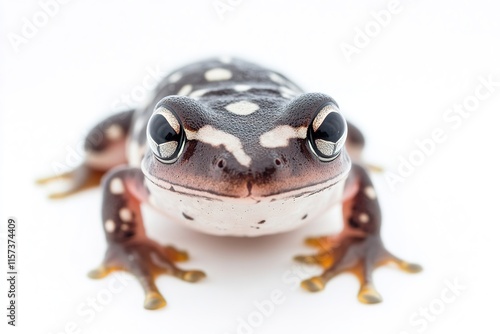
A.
x: 245, y: 217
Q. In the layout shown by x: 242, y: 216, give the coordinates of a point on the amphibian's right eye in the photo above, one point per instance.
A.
x: 165, y: 135
x: 327, y: 133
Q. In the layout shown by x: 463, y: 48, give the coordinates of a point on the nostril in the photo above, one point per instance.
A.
x: 221, y: 163
x: 278, y: 162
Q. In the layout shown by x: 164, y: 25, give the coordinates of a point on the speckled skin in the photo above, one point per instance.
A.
x: 243, y: 151
x: 276, y: 108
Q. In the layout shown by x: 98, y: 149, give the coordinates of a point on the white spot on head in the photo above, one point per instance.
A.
x: 198, y: 93
x: 363, y: 218
x: 174, y: 77
x: 109, y: 226
x: 114, y: 132
x: 242, y: 108
x: 370, y: 193
x: 241, y: 88
x: 215, y: 137
x: 218, y: 74
x: 185, y: 90
x: 279, y: 136
x: 116, y: 186
x: 125, y: 214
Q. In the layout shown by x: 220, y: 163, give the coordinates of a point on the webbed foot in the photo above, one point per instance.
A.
x: 81, y: 178
x: 360, y: 256
x: 146, y: 260
x: 359, y: 248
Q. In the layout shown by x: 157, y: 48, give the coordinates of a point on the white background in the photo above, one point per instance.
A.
x: 70, y: 74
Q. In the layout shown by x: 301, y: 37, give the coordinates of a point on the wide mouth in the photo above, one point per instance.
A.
x: 250, y: 198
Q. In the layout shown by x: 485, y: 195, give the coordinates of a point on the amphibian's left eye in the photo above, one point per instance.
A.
x: 165, y: 135
x: 327, y: 133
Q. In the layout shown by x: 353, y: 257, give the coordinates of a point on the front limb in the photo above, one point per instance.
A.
x: 358, y: 248
x: 129, y: 248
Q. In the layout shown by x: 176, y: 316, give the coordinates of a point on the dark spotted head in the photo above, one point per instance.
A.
x: 248, y: 144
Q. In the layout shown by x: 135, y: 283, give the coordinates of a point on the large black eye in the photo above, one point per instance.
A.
x: 165, y: 135
x: 327, y: 133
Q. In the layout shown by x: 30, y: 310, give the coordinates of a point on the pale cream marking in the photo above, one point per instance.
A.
x: 109, y: 226
x: 242, y: 108
x: 320, y: 117
x: 363, y: 218
x: 218, y: 74
x: 287, y: 92
x: 174, y: 77
x: 124, y: 227
x: 370, y: 193
x: 277, y: 78
x: 287, y: 96
x: 116, y: 186
x: 125, y: 215
x: 242, y: 88
x: 279, y: 136
x: 198, y: 93
x: 215, y: 137
x: 114, y: 132
x: 171, y: 119
x: 326, y: 147
x: 185, y: 90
